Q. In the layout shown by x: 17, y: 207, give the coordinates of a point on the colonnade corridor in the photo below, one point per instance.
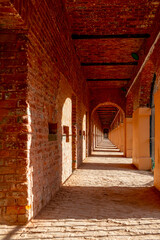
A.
x: 106, y: 198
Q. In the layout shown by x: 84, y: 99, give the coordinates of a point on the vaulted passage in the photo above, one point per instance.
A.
x: 107, y: 197
x: 79, y: 118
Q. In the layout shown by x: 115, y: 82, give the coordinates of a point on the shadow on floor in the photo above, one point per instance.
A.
x: 114, y: 167
x: 108, y: 150
x: 11, y: 233
x: 108, y: 155
x: 103, y: 203
x: 108, y: 166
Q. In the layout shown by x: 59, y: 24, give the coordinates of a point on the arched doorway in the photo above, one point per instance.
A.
x: 66, y: 139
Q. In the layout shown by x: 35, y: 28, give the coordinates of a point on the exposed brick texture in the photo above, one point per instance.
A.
x: 129, y: 105
x: 103, y: 72
x: 111, y: 17
x: 43, y: 85
x: 74, y: 132
x: 105, y: 95
x: 107, y: 50
x: 32, y: 95
x: 14, y: 126
x: 140, y: 94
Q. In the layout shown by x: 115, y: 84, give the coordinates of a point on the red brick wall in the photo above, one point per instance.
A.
x: 107, y: 95
x: 14, y: 126
x: 140, y: 93
x: 52, y: 74
x: 74, y: 132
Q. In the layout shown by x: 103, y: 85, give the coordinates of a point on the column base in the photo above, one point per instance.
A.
x: 129, y: 153
x: 142, y: 163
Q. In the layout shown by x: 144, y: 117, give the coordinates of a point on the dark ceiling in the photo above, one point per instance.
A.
x: 105, y: 33
x: 106, y: 115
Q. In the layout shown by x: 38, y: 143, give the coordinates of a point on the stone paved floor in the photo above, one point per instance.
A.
x: 106, y: 198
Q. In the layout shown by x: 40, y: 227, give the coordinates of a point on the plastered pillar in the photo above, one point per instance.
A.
x: 122, y: 137
x: 157, y: 140
x: 141, y: 135
x: 129, y: 137
x: 119, y: 136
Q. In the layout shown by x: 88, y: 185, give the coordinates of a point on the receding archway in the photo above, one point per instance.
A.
x: 111, y: 117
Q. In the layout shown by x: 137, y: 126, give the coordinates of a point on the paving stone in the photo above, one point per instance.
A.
x: 106, y: 198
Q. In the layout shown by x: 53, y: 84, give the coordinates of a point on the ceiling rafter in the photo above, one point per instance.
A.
x: 107, y: 79
x: 86, y: 36
x: 109, y: 64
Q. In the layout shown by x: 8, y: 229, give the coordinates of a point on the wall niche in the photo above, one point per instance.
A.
x: 52, y: 136
x: 66, y: 132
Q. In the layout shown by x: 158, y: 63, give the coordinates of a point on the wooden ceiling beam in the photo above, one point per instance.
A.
x: 85, y: 36
x: 109, y: 64
x: 107, y: 79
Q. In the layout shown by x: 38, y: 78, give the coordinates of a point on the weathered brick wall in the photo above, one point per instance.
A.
x: 129, y: 105
x: 53, y: 75
x: 141, y: 90
x: 156, y: 62
x: 74, y: 132
x: 14, y: 126
x: 42, y: 86
x: 115, y: 96
x: 140, y: 93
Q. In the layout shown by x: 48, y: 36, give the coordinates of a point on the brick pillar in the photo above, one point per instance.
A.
x: 74, y: 133
x: 14, y: 128
x: 141, y: 136
x: 129, y: 137
x: 157, y: 140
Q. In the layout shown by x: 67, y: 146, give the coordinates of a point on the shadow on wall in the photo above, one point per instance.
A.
x: 50, y: 146
x: 50, y: 153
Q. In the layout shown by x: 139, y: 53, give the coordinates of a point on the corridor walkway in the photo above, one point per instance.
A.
x: 106, y: 198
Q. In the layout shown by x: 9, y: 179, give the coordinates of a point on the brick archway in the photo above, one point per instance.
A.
x: 120, y: 110
x: 108, y: 103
